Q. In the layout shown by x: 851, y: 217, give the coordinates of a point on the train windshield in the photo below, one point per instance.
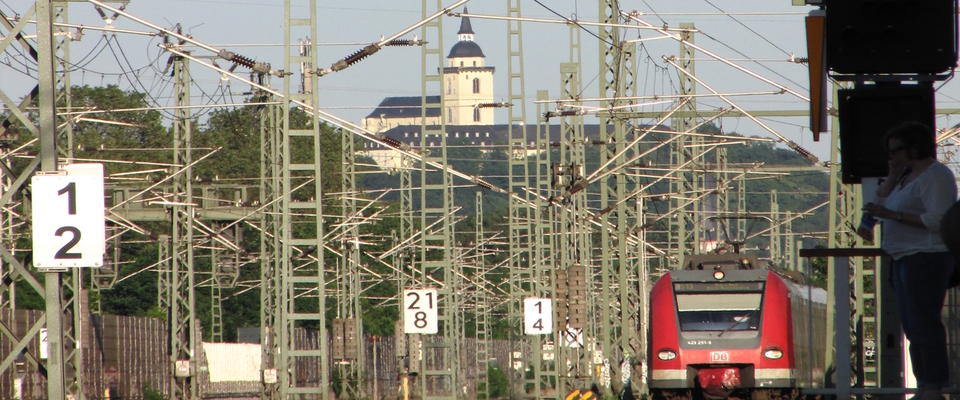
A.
x: 723, y: 312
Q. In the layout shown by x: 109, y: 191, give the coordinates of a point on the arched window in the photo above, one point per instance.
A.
x: 449, y: 86
x: 476, y: 85
x: 476, y: 116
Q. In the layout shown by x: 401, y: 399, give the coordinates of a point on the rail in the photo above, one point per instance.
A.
x: 842, y: 323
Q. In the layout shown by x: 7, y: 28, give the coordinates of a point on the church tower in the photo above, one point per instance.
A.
x: 467, y: 81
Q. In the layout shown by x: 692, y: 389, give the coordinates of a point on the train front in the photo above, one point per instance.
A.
x: 720, y: 331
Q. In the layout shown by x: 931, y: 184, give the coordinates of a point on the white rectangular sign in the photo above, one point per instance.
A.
x: 68, y: 223
x: 420, y: 311
x: 537, y: 316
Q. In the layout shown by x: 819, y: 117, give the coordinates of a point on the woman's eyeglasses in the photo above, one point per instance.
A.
x: 896, y: 149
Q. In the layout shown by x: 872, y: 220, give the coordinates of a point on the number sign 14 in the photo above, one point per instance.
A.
x: 68, y: 218
x: 537, y: 316
x: 420, y: 311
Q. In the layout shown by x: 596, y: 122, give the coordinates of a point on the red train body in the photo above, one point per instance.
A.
x: 719, y: 326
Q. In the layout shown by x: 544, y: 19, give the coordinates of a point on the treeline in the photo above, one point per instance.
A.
x: 138, y: 139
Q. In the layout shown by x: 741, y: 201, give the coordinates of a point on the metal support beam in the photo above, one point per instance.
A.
x: 303, y: 278
x: 271, y: 250
x: 440, y: 371
x: 184, y: 341
x: 685, y: 227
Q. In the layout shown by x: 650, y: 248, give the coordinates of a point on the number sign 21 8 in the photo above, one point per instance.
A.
x: 420, y: 311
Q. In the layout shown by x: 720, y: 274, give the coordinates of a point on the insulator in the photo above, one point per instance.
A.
x: 403, y: 42
x: 802, y: 60
x: 483, y: 184
x: 501, y: 104
x: 355, y: 57
x: 803, y: 152
x: 389, y: 141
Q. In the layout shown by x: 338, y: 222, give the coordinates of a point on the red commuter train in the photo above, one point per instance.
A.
x: 724, y: 326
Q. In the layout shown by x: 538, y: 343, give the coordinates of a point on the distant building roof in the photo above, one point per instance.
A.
x: 465, y: 49
x: 404, y: 107
x: 497, y: 133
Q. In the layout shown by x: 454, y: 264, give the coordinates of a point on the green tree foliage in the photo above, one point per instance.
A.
x: 128, y: 137
x: 499, y: 384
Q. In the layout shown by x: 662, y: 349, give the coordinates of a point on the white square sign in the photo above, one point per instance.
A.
x: 68, y: 223
x: 537, y: 316
x: 420, y: 311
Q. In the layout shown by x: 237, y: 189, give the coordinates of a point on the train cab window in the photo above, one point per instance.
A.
x: 723, y: 312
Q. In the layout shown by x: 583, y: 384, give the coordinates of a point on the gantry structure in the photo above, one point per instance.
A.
x: 576, y: 236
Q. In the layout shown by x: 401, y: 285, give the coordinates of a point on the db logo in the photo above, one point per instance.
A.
x: 719, y: 356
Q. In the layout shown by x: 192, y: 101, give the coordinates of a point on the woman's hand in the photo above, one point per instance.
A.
x: 895, y: 169
x: 877, y: 210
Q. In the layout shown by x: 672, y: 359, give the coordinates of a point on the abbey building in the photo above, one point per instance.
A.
x: 467, y: 83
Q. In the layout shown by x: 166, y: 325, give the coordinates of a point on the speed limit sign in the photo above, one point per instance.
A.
x: 420, y: 311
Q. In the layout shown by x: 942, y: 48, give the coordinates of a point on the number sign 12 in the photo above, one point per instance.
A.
x: 537, y: 316
x: 420, y: 311
x: 68, y: 218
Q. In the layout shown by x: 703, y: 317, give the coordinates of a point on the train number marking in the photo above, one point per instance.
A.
x: 719, y: 356
x: 68, y: 217
x: 699, y: 342
x: 537, y: 316
x: 420, y: 313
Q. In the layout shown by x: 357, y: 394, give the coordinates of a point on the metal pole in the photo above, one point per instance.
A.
x: 48, y: 162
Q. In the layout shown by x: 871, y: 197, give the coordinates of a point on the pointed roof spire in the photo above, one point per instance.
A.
x: 465, y: 24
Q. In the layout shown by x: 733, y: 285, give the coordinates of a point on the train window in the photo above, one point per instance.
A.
x: 719, y: 312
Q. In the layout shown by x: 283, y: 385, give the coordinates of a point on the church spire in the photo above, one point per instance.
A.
x: 466, y: 31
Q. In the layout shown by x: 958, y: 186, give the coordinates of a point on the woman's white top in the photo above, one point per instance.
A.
x: 929, y: 195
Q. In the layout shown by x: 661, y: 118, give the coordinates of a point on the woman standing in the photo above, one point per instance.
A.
x: 911, y: 202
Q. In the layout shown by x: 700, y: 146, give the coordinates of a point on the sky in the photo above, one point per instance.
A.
x: 760, y: 36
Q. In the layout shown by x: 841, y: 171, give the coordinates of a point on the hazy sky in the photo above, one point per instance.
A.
x: 758, y: 35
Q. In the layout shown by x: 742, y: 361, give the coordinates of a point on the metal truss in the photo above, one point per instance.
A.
x: 685, y: 229
x: 524, y: 240
x: 619, y: 268
x: 183, y: 328
x: 575, y: 266
x: 481, y: 306
x: 225, y: 264
x: 440, y: 365
x: 61, y: 289
x: 271, y: 250
x: 348, y: 344
x: 302, y: 279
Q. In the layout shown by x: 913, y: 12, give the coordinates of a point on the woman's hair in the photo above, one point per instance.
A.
x: 918, y: 139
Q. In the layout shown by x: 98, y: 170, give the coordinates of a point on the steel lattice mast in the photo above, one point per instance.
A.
x: 481, y: 307
x: 620, y: 273
x: 574, y: 274
x: 523, y: 282
x: 685, y: 229
x: 302, y: 275
x: 348, y: 327
x: 183, y: 326
x: 271, y: 250
x: 439, y: 367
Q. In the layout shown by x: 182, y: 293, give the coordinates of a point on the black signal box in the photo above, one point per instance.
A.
x: 866, y: 114
x: 891, y: 36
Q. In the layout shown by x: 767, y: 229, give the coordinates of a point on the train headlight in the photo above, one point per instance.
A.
x: 773, y: 353
x: 666, y: 354
x: 718, y: 274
